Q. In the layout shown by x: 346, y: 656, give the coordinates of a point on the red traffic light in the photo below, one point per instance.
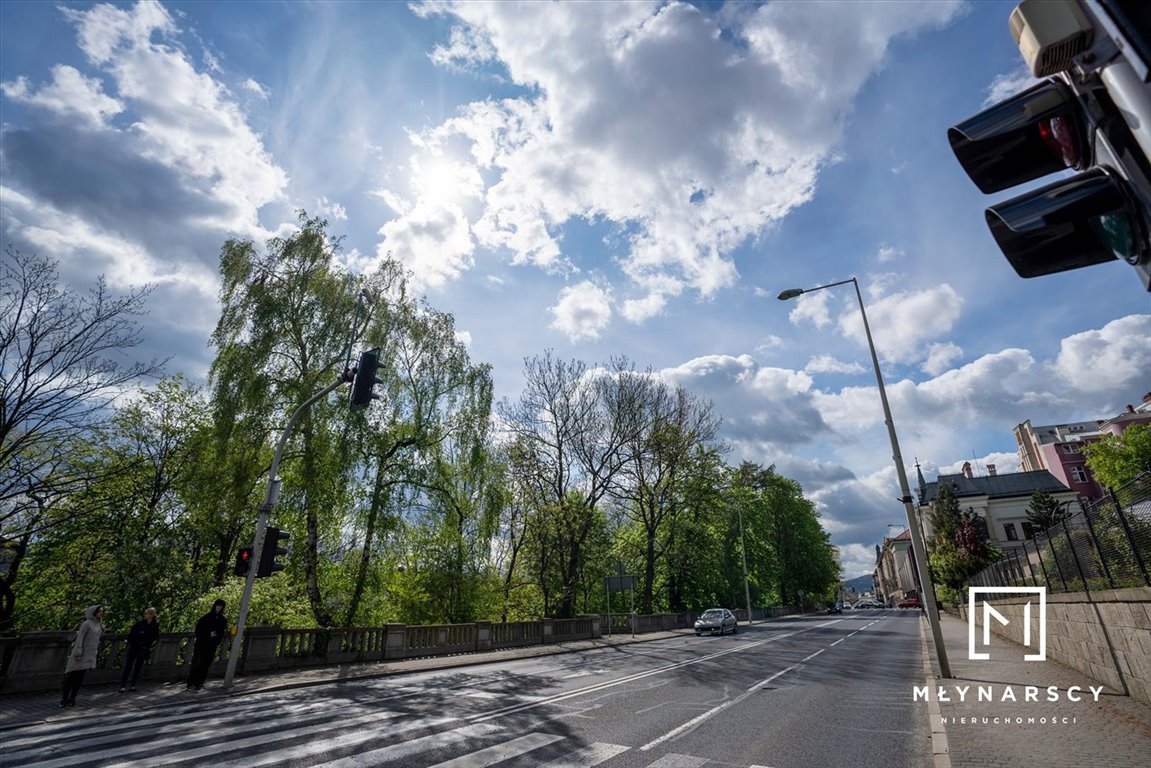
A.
x: 243, y: 561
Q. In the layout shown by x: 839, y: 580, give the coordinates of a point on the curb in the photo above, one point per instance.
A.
x: 940, y: 752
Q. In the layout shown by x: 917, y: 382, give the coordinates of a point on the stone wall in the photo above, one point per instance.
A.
x: 1105, y: 635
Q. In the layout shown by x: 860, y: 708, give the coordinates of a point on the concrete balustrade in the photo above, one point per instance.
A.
x: 34, y: 661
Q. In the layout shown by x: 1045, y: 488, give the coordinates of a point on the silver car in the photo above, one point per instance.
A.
x: 715, y: 621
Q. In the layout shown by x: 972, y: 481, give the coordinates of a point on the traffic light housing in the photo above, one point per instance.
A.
x: 243, y: 561
x: 272, y: 550
x: 1075, y: 120
x: 365, y: 380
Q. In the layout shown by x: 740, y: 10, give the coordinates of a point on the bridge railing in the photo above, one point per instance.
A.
x: 34, y: 661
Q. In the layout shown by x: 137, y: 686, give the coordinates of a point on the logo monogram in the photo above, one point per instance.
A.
x: 989, y: 613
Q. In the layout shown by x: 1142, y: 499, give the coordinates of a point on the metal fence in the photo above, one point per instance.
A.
x: 1105, y: 546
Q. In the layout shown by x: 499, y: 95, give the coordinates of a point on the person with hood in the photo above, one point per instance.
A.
x: 210, y: 631
x: 143, y: 636
x: 82, y: 656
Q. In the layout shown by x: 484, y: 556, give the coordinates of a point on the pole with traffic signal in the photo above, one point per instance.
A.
x: 1089, y: 115
x: 259, y: 547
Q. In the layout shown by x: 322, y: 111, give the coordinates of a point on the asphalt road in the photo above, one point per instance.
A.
x: 815, y: 692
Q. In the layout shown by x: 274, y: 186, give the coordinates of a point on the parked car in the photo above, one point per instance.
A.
x: 834, y: 608
x: 715, y: 621
x: 911, y: 602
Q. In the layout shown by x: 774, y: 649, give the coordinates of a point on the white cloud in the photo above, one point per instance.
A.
x: 256, y: 88
x: 828, y: 364
x: 888, y: 253
x: 902, y: 322
x: 692, y: 132
x: 582, y: 311
x: 123, y: 262
x: 1111, y: 359
x: 940, y: 356
x: 434, y: 242
x: 326, y: 207
x: 182, y: 118
x: 769, y: 343
x: 69, y: 94
x: 1007, y: 85
x: 811, y: 308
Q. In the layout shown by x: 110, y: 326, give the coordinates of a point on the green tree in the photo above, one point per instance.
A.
x: 1043, y: 511
x: 668, y: 426
x: 571, y: 447
x: 1116, y: 460
x: 60, y: 369
x: 960, y: 547
x: 133, y: 542
x: 283, y: 335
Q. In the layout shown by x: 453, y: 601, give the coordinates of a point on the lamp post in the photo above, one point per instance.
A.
x: 909, y: 507
x: 743, y: 553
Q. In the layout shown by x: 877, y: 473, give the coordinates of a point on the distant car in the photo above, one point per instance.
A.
x: 911, y: 602
x: 834, y: 608
x: 715, y: 621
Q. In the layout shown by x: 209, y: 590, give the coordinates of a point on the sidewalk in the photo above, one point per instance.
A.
x: 1114, y: 731
x: 25, y: 708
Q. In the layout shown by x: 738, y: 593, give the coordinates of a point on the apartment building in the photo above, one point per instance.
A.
x: 1058, y: 448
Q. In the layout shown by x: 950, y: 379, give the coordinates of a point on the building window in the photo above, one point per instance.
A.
x: 1028, y: 531
x: 1009, y: 529
x: 1071, y: 448
x: 1078, y: 474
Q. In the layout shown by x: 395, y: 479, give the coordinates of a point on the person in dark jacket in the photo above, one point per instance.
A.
x: 210, y: 631
x: 82, y: 656
x: 143, y: 636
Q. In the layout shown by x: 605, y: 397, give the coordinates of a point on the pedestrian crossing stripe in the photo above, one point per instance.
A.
x: 586, y: 756
x: 498, y: 753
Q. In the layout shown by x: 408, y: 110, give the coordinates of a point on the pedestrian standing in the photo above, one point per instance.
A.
x: 82, y: 656
x: 141, y: 639
x: 210, y: 631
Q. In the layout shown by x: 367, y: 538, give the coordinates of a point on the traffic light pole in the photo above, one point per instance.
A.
x: 270, y: 498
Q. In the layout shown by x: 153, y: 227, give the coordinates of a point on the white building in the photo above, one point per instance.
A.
x: 1000, y: 500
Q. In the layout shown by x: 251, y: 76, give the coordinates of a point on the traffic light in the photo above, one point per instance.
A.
x: 365, y: 380
x: 243, y: 561
x: 271, y: 551
x: 1080, y: 118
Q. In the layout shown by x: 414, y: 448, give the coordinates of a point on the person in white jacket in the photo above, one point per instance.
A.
x: 82, y: 657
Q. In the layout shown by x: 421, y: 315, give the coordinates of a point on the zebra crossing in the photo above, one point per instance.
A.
x: 312, y: 734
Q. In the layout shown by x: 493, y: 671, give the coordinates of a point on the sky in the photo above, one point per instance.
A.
x: 596, y: 179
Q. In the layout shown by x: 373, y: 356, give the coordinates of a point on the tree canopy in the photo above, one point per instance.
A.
x: 435, y: 504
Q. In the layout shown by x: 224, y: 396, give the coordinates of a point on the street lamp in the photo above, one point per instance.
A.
x: 743, y: 553
x: 909, y: 507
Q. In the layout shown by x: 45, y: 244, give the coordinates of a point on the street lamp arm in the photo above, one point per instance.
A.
x: 791, y: 293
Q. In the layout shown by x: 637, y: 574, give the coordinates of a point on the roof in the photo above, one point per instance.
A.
x: 1009, y: 485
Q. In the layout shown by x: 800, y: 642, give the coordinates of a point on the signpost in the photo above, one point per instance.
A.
x: 619, y: 583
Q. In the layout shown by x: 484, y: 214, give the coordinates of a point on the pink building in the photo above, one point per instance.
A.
x: 1058, y: 448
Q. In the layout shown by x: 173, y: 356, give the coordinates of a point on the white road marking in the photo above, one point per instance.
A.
x: 501, y: 752
x: 673, y: 760
x: 413, y: 747
x: 586, y: 757
x: 514, y: 708
x: 205, y: 734
x: 714, y: 710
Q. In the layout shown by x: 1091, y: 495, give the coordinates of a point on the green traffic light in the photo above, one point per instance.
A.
x: 1114, y: 232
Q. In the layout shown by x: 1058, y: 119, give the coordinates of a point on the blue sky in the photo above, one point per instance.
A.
x: 598, y: 179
